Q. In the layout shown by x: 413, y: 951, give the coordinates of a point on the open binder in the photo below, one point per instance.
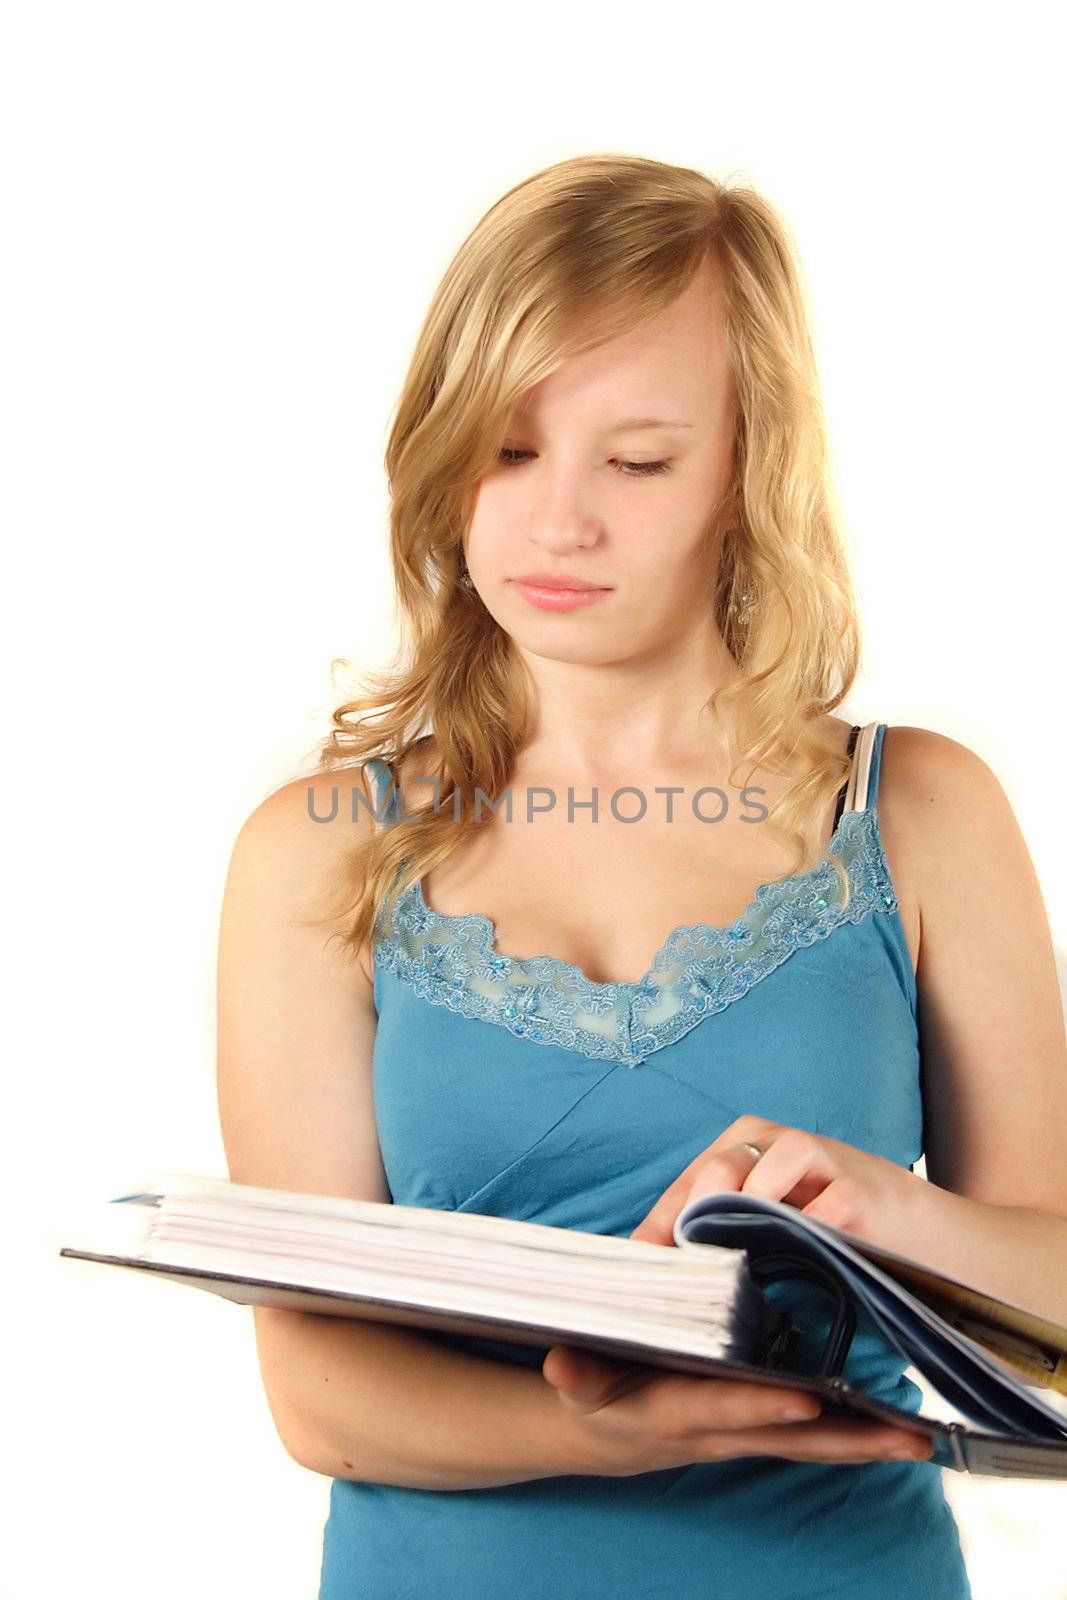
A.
x: 1016, y: 1433
x: 700, y: 1308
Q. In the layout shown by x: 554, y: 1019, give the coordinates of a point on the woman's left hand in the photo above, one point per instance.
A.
x: 831, y: 1181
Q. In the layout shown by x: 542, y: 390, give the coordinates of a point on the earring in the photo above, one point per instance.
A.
x: 745, y: 603
x: 465, y: 577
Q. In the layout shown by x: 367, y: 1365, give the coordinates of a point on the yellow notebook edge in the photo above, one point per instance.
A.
x: 1030, y: 1344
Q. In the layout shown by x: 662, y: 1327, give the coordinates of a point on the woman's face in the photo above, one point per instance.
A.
x: 585, y: 489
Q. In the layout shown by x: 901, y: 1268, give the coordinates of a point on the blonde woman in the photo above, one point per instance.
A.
x: 612, y: 909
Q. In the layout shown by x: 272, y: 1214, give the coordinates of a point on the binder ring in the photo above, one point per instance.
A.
x: 773, y: 1268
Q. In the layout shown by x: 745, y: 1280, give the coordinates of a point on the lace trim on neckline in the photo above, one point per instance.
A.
x: 452, y: 960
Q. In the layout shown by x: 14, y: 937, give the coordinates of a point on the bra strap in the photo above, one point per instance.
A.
x: 843, y: 793
x: 858, y: 796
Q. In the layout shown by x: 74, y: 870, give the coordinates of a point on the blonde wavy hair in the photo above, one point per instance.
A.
x: 577, y: 254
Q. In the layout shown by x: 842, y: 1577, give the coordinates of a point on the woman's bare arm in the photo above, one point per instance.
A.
x: 385, y: 1405
x: 296, y: 1025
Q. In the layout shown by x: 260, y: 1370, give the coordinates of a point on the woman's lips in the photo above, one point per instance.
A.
x: 559, y: 599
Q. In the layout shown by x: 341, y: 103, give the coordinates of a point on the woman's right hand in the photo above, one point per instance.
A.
x: 639, y: 1418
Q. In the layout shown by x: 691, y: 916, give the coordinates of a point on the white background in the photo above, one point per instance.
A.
x: 223, y: 225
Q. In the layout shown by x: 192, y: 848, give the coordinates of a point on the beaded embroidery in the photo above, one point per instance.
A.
x: 452, y: 960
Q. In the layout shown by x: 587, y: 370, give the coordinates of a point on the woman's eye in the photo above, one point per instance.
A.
x: 627, y: 469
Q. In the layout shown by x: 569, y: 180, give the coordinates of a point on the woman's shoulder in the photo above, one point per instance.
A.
x: 936, y: 798
x: 297, y: 840
x: 925, y: 775
x: 309, y: 811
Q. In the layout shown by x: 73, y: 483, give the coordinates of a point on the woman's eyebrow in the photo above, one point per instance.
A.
x: 627, y: 425
x: 645, y: 422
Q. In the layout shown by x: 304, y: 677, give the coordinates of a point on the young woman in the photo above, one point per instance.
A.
x: 562, y: 976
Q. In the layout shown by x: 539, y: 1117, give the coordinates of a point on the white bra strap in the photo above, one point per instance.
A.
x: 856, y: 793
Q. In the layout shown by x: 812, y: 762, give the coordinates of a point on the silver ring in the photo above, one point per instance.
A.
x: 756, y: 1151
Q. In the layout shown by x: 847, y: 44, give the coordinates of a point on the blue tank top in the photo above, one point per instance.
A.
x: 522, y: 1088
